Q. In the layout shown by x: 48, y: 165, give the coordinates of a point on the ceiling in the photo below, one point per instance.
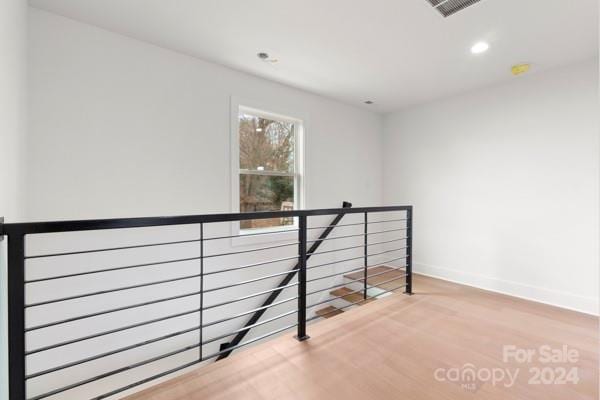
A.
x: 393, y: 52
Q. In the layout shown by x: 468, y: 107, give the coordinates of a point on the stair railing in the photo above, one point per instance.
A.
x: 95, y: 303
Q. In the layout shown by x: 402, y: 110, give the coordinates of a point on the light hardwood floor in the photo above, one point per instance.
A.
x: 391, y: 348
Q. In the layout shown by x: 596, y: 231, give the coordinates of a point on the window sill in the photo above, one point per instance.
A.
x: 248, y: 237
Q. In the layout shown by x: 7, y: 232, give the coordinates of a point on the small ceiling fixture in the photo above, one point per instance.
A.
x: 480, y: 47
x: 520, y: 69
x: 266, y: 58
x: 368, y: 102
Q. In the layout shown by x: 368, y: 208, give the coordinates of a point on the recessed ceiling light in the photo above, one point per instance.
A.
x: 258, y: 129
x: 480, y: 47
x: 368, y: 102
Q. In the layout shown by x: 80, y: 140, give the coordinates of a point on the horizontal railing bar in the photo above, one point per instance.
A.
x: 349, y: 293
x: 112, y: 269
x: 333, y: 251
x: 262, y: 278
x: 112, y: 310
x: 387, y: 241
x: 387, y: 251
x: 81, y: 296
x: 251, y: 250
x: 266, y: 321
x: 354, y: 304
x: 187, y: 365
x: 336, y: 274
x: 358, y: 223
x: 110, y: 353
x: 357, y: 235
x: 354, y: 280
x: 336, y: 237
x: 387, y: 261
x: 251, y: 265
x: 220, y: 321
x: 108, y: 332
x: 335, y: 262
x: 249, y: 296
x: 387, y: 220
x: 70, y: 253
x: 118, y: 223
x: 274, y: 232
x: 334, y: 226
x: 386, y: 231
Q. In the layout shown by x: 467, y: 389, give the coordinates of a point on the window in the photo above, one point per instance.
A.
x: 268, y: 172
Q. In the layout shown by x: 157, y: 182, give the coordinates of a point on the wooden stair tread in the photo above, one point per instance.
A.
x: 384, y: 274
x: 329, y: 311
x: 350, y: 295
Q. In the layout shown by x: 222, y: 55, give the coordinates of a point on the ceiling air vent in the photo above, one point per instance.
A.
x: 449, y: 7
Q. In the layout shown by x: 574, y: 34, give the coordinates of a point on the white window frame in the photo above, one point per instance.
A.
x: 271, y: 112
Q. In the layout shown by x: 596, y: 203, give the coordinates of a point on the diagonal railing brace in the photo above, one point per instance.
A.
x: 284, y: 282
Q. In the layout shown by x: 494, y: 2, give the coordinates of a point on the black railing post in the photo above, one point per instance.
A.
x: 409, y: 248
x: 302, y: 279
x: 201, y: 306
x: 16, y: 316
x: 366, y: 256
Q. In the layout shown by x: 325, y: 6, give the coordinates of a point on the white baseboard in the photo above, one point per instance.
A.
x: 587, y: 305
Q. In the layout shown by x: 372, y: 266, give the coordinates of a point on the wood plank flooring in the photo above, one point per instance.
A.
x: 393, y: 348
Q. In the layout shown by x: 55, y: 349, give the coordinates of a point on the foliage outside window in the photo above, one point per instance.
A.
x: 267, y: 168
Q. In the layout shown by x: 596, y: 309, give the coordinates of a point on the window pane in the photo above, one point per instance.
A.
x: 265, y: 144
x: 266, y: 193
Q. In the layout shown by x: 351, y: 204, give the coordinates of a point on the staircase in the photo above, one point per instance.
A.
x: 381, y: 281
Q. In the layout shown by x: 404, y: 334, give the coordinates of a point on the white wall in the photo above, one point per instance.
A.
x: 119, y: 128
x: 13, y: 36
x: 504, y: 182
x: 124, y: 128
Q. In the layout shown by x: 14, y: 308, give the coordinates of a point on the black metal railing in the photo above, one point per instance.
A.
x: 96, y: 308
